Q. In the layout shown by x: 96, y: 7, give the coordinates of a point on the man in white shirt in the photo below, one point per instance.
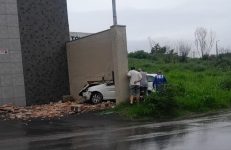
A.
x: 135, y: 78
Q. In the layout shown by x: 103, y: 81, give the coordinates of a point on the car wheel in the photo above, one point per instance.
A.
x: 96, y: 98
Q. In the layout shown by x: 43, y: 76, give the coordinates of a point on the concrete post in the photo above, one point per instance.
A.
x: 120, y: 61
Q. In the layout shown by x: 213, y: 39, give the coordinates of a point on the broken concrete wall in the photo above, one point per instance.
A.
x: 89, y: 59
x: 96, y: 56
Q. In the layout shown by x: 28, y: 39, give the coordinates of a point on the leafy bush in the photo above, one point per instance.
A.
x: 213, y: 73
x: 180, y: 89
x: 141, y: 54
x: 208, y: 101
x: 163, y: 102
x: 224, y: 64
x: 165, y: 69
x: 205, y: 57
x: 198, y: 68
x: 187, y: 66
x: 147, y: 65
x: 226, y: 84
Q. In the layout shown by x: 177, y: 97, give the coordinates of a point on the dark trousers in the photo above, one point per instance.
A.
x: 143, y: 91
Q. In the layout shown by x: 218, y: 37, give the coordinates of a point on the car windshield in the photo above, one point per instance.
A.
x: 109, y: 83
x: 150, y: 78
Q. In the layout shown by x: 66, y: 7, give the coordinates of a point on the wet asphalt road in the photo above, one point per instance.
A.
x: 94, y: 132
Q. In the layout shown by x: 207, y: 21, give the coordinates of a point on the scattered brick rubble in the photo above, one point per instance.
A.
x: 49, y: 111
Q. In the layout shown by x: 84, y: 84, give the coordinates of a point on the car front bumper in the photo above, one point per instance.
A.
x: 87, y: 95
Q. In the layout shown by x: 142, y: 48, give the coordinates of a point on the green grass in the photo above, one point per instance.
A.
x: 206, y: 85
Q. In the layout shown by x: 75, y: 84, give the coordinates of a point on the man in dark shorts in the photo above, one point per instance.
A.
x: 135, y: 78
x: 143, y: 84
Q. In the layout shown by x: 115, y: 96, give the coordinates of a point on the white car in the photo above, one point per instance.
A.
x: 96, y: 92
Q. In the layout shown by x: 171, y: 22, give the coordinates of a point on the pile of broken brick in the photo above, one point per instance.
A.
x: 49, y: 111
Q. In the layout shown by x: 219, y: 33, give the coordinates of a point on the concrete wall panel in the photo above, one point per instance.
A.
x: 6, y: 80
x: 19, y: 91
x: 120, y: 61
x: 13, y: 32
x: 11, y: 8
x: 4, y: 58
x: 7, y: 92
x: 44, y: 31
x: 3, y: 32
x: 89, y: 59
x: 96, y: 56
x: 34, y: 33
x: 2, y: 7
x: 12, y: 20
x: 14, y: 45
x: 3, y: 21
x: 11, y: 72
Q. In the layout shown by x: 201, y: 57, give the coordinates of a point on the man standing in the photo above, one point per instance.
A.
x: 143, y: 84
x: 159, y: 80
x: 135, y: 78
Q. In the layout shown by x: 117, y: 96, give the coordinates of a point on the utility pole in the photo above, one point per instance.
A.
x: 114, y: 12
x: 217, y: 53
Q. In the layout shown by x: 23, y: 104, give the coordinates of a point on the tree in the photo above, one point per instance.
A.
x: 223, y: 50
x: 157, y: 49
x: 204, y: 41
x: 184, y: 49
x: 141, y: 54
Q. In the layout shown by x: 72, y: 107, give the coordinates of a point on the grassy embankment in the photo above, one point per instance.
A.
x: 195, y: 86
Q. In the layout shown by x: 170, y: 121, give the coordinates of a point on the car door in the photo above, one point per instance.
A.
x: 110, y: 92
x: 150, y: 82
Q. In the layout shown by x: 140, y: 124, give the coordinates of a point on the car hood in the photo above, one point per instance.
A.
x: 91, y: 88
x: 96, y: 87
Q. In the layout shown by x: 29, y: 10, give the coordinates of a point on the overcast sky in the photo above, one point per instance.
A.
x: 162, y: 20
